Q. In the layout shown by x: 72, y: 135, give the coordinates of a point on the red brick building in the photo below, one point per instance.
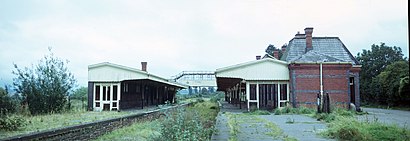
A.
x: 316, y: 65
x: 321, y: 65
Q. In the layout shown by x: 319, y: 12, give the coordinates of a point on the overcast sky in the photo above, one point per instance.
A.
x: 179, y: 35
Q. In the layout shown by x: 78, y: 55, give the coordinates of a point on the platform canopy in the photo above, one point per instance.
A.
x: 266, y: 69
x: 109, y: 72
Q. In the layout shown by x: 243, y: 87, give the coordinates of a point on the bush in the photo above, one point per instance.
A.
x: 46, y: 86
x: 182, y: 125
x: 338, y: 112
x: 191, y: 123
x: 11, y: 123
x: 7, y: 104
x: 348, y: 128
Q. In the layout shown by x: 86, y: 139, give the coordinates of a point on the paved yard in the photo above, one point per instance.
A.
x: 266, y: 127
x: 401, y: 118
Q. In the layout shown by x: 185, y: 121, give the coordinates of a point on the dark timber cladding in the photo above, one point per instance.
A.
x: 140, y: 93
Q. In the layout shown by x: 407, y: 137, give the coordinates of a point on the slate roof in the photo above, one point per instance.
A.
x: 330, y: 48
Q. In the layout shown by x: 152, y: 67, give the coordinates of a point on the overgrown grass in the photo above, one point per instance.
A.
x: 349, y: 128
x: 257, y: 112
x: 290, y: 110
x: 338, y: 112
x: 50, y: 121
x: 344, y: 126
x: 275, y: 131
x: 140, y: 131
x: 233, y: 126
x: 192, y: 123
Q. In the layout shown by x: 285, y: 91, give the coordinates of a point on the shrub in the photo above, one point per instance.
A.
x: 349, y: 128
x: 11, y: 123
x: 191, y: 123
x: 45, y: 86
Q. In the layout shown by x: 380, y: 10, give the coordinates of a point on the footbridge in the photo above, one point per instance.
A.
x: 197, y: 81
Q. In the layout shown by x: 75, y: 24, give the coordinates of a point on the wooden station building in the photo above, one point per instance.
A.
x: 115, y: 87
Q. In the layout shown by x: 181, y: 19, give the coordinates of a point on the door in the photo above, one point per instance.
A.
x: 352, y: 91
x: 106, y: 91
x: 106, y: 96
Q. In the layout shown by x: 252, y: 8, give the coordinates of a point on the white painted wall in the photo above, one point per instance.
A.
x: 109, y: 74
x: 263, y: 70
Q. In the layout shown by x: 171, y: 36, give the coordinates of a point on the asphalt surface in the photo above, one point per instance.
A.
x: 397, y: 117
x: 254, y: 127
x: 300, y: 127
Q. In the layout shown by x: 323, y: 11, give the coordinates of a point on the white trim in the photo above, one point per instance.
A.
x: 111, y: 91
x: 257, y: 95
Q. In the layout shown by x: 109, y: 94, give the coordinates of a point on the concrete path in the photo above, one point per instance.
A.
x: 401, y: 118
x: 265, y: 127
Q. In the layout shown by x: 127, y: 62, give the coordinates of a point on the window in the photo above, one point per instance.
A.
x: 114, y: 92
x: 108, y: 92
x: 104, y: 93
x: 283, y: 92
x: 253, y: 92
x: 97, y: 104
x: 114, y: 104
x: 97, y: 92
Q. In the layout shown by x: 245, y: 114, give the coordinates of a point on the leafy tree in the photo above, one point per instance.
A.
x: 373, y: 62
x: 44, y: 87
x: 7, y: 104
x: 271, y: 48
x: 80, y: 93
x: 389, y: 80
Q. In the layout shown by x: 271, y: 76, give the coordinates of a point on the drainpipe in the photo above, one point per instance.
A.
x: 321, y: 79
x: 321, y: 84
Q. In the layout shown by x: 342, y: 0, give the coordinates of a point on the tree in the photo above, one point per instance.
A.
x: 44, y: 88
x: 7, y: 104
x: 80, y: 93
x: 271, y: 48
x: 390, y: 80
x: 373, y: 62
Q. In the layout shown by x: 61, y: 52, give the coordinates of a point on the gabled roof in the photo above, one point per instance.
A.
x: 331, y: 48
x: 101, y: 72
x: 263, y: 69
x: 265, y: 59
x: 116, y: 66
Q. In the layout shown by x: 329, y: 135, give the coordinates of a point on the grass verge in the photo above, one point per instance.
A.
x: 141, y: 131
x: 349, y: 128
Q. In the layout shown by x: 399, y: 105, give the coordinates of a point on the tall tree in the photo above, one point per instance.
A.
x: 45, y: 86
x: 373, y: 62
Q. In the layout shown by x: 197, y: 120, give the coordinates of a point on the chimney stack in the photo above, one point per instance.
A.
x: 276, y: 53
x: 308, y: 33
x: 144, y: 66
x: 258, y: 57
x: 284, y: 48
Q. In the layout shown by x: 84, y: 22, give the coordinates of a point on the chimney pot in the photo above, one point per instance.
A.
x: 144, y: 66
x: 258, y: 57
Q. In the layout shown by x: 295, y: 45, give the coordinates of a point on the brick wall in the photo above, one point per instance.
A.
x: 305, y: 83
x: 93, y: 130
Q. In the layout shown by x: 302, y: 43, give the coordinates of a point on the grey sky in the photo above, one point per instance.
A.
x: 173, y: 36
